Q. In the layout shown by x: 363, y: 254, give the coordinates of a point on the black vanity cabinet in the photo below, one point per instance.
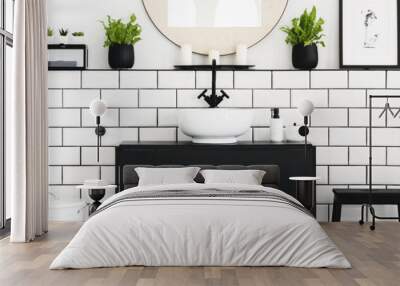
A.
x: 290, y: 157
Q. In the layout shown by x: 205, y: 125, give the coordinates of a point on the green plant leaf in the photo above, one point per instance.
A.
x: 120, y: 33
x: 306, y: 30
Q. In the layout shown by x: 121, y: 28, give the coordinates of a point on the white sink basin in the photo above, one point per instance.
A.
x: 215, y: 125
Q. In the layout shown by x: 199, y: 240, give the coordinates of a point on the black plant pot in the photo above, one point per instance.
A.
x: 121, y: 56
x: 305, y: 57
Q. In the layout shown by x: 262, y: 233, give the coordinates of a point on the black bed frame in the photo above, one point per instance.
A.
x: 290, y: 157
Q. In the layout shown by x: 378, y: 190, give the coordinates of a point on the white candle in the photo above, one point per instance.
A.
x: 186, y: 54
x: 241, y: 54
x: 213, y: 55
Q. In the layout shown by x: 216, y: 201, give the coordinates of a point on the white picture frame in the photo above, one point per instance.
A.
x: 369, y: 33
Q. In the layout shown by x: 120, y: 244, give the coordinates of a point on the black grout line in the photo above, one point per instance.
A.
x: 386, y: 79
x: 272, y: 80
x: 119, y: 79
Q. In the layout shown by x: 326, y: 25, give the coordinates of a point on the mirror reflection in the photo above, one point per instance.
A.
x: 214, y: 13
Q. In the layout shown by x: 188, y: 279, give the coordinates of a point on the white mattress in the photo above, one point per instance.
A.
x: 200, y: 232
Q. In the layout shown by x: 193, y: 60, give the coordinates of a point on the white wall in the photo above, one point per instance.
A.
x: 156, y: 52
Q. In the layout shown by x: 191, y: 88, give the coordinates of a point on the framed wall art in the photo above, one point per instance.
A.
x: 369, y: 33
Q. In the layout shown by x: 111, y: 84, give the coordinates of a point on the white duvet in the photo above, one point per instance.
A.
x: 200, y: 232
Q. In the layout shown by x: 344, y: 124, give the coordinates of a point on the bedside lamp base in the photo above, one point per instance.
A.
x: 96, y: 195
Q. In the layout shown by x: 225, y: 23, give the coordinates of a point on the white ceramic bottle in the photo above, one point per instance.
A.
x: 276, y: 126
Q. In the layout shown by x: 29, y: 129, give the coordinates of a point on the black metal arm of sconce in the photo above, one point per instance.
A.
x: 100, y: 131
x: 304, y: 131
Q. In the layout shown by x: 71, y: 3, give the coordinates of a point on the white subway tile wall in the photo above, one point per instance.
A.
x: 329, y: 79
x: 252, y: 79
x: 100, y: 79
x: 176, y: 79
x: 55, y: 98
x: 64, y: 79
x: 143, y: 106
x: 157, y: 98
x: 238, y: 98
x: 138, y: 117
x: 64, y: 117
x: 109, y: 119
x: 393, y: 79
x: 138, y: 79
x: 319, y: 97
x: 106, y: 156
x: 188, y: 98
x: 224, y: 79
x: 347, y: 98
x: 271, y: 98
x: 367, y: 79
x: 79, y: 97
x: 290, y: 79
x: 114, y: 97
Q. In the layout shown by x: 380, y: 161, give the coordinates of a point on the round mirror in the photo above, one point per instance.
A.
x: 215, y: 24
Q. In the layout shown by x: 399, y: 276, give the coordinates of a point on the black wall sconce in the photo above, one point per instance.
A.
x: 305, y: 108
x: 98, y: 108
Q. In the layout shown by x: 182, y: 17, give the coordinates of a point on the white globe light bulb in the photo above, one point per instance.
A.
x: 306, y: 107
x: 97, y: 107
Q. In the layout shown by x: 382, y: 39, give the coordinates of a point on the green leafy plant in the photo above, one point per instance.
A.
x: 63, y: 32
x: 306, y: 30
x: 78, y: 34
x: 119, y: 33
x: 50, y: 32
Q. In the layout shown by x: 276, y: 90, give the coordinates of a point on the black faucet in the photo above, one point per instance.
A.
x: 213, y: 99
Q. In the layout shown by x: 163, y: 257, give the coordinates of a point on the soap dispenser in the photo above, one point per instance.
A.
x: 276, y: 126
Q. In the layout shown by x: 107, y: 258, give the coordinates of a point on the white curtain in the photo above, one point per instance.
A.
x: 27, y: 122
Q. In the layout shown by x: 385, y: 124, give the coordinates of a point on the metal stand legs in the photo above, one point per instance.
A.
x: 361, y: 221
x: 372, y: 211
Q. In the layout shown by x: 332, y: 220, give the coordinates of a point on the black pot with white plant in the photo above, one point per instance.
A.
x: 120, y: 40
x: 78, y: 38
x: 305, y: 35
x: 63, y: 36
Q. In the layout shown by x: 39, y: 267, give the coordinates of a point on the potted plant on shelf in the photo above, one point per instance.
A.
x: 305, y: 35
x: 78, y: 37
x: 120, y: 39
x: 50, y: 35
x: 63, y: 36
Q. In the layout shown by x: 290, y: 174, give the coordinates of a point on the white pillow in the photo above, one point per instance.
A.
x: 166, y: 176
x: 248, y: 177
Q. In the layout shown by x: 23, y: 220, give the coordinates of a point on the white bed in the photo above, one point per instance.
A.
x: 209, y: 230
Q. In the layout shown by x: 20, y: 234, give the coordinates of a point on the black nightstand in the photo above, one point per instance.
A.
x: 306, y: 192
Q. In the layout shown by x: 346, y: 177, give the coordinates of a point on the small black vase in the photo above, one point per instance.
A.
x: 121, y: 56
x: 305, y: 57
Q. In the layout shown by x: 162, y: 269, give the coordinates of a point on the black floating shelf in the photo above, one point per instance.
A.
x: 81, y: 47
x: 66, y: 46
x: 209, y: 67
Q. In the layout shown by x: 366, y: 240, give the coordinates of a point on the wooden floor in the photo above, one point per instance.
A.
x: 375, y: 257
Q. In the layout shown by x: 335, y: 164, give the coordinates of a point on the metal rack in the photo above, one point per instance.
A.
x: 370, y: 206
